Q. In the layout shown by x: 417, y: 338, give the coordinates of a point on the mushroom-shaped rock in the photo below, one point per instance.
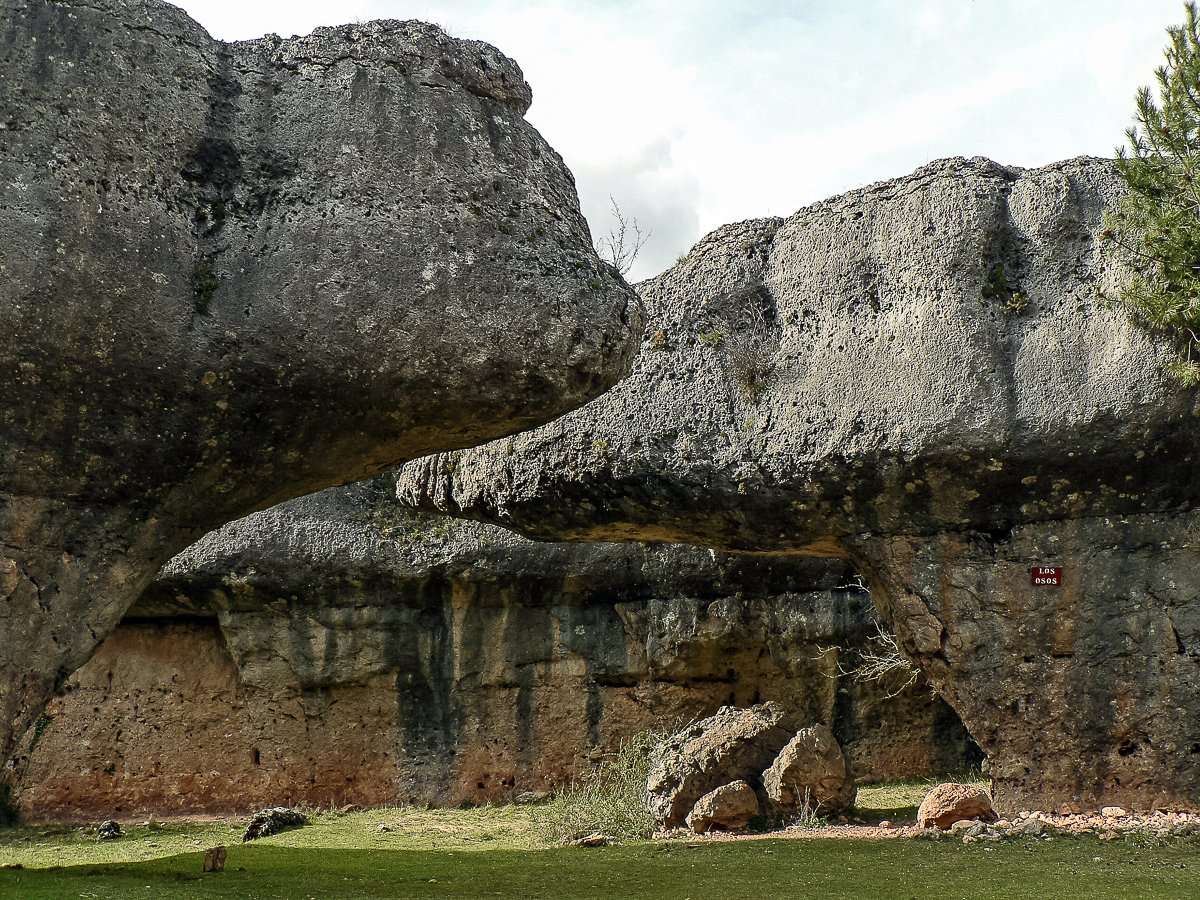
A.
x: 728, y: 808
x: 731, y: 745
x: 950, y: 802
x: 236, y: 273
x: 926, y: 376
x: 810, y: 771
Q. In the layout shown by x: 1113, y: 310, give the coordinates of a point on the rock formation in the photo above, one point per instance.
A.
x: 949, y: 803
x: 732, y: 745
x: 237, y: 273
x: 810, y: 772
x: 339, y: 649
x: 922, y: 376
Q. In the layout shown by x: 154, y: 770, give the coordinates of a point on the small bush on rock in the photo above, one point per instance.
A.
x: 609, y: 800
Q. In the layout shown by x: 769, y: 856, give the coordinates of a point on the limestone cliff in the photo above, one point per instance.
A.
x: 925, y: 376
x: 237, y: 273
x: 337, y: 649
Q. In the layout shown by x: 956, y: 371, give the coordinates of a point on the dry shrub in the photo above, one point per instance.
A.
x: 609, y: 800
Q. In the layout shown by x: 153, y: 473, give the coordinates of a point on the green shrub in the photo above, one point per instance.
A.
x: 1158, y: 221
x: 610, y: 799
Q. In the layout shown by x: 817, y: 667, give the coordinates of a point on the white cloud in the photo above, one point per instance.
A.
x: 695, y: 114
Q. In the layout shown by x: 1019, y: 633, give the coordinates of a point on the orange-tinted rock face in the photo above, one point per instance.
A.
x: 157, y: 722
x: 499, y: 699
x: 338, y: 650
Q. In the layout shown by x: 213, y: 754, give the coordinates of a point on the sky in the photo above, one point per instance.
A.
x: 695, y: 113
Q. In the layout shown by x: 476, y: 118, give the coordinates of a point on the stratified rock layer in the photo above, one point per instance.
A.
x: 236, y: 273
x: 923, y: 376
x: 337, y: 649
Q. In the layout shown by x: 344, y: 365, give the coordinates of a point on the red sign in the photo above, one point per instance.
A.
x: 1046, y: 576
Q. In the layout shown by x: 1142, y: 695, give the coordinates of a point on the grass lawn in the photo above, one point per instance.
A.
x: 496, y: 852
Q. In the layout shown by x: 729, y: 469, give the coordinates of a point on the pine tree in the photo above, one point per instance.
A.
x: 1158, y: 221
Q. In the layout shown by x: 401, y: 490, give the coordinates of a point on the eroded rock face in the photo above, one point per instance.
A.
x: 1087, y: 691
x: 921, y: 376
x: 337, y: 649
x: 235, y: 273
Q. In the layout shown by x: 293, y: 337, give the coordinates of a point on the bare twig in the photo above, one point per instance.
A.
x: 882, y: 658
x: 624, y: 241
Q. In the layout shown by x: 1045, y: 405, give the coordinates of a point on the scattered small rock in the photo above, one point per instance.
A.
x: 109, y: 831
x: 885, y: 824
x: 214, y: 859
x: 527, y: 798
x: 1113, y: 812
x: 273, y: 821
x: 383, y: 827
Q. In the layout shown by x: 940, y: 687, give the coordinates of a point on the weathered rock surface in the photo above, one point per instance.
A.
x: 949, y: 803
x: 236, y: 273
x: 810, y: 771
x: 920, y: 376
x: 338, y: 649
x: 730, y: 745
x: 729, y: 807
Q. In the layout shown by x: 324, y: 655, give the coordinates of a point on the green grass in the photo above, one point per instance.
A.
x: 892, y: 869
x: 490, y: 828
x: 502, y: 852
x: 899, y: 800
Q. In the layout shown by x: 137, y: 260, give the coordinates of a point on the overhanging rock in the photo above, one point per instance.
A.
x: 927, y: 376
x: 339, y: 649
x: 236, y: 273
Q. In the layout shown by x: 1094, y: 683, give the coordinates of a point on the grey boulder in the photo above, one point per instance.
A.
x: 728, y: 808
x: 237, y: 273
x: 731, y: 745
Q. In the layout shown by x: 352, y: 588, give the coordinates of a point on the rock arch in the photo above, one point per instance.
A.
x: 916, y: 419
